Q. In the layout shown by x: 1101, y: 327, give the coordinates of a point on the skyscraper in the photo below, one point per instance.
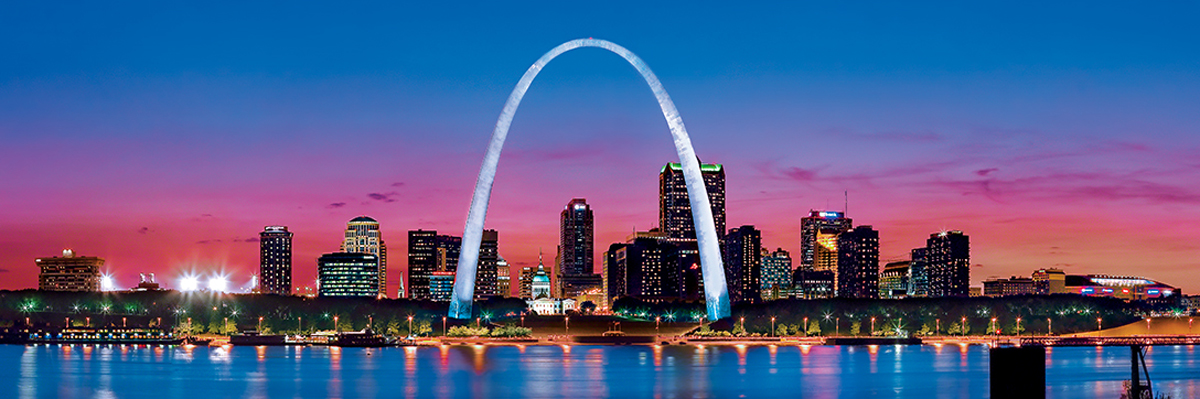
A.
x: 429, y: 252
x: 948, y: 264
x: 344, y: 274
x: 363, y: 236
x: 858, y: 263
x: 646, y: 268
x: 489, y: 257
x: 576, y: 265
x: 503, y: 279
x: 69, y: 273
x: 918, y: 276
x: 819, y: 231
x: 674, y: 208
x: 275, y: 260
x: 776, y: 274
x: 743, y: 264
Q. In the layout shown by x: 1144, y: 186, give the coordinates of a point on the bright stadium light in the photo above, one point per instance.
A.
x: 189, y: 283
x: 218, y: 284
x: 107, y: 283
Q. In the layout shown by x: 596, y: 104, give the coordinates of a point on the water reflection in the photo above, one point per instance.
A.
x: 670, y: 371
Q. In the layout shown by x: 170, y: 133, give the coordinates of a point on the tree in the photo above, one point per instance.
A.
x: 423, y: 327
x: 393, y: 327
x: 214, y: 326
x: 1015, y: 329
x: 954, y: 329
x: 925, y: 330
x: 587, y: 307
x: 814, y: 328
x: 795, y: 329
x: 855, y: 327
x: 738, y: 329
x: 782, y: 330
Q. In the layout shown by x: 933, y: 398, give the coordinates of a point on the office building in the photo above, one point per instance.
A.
x: 812, y: 284
x: 858, y: 263
x: 429, y: 252
x: 646, y: 268
x: 441, y: 286
x: 489, y: 258
x: 503, y: 279
x: 948, y: 257
x: 918, y: 278
x: 1049, y: 281
x: 997, y: 287
x: 363, y: 237
x: 894, y: 280
x: 818, y: 239
x: 69, y: 273
x: 576, y: 266
x: 743, y: 264
x: 275, y: 260
x: 776, y: 280
x: 675, y: 209
x: 348, y: 274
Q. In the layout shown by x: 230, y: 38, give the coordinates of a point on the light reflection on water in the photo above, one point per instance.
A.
x: 713, y: 371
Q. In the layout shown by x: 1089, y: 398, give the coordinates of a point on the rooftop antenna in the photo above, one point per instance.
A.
x: 846, y: 205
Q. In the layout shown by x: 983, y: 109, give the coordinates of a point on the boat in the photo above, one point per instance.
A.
x: 366, y: 338
x: 253, y: 338
x: 88, y: 335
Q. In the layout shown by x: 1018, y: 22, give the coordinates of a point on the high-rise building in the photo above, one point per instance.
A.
x: 485, y: 272
x: 69, y: 273
x: 441, y: 286
x: 503, y: 279
x: 576, y: 267
x: 1049, y: 281
x: 363, y: 236
x: 646, y: 268
x: 674, y: 208
x: 525, y: 281
x: 918, y: 275
x: 429, y: 252
x: 894, y: 280
x: 743, y: 264
x: 948, y: 257
x: 348, y: 274
x: 858, y: 263
x: 613, y: 273
x: 275, y: 260
x: 776, y: 274
x: 818, y: 239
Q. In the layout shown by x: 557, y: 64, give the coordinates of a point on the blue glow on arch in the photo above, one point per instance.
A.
x: 716, y: 293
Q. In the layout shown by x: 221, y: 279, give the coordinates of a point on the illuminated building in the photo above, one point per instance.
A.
x: 948, y: 264
x: 149, y: 283
x: 812, y: 284
x: 551, y: 306
x: 1049, y: 281
x: 429, y: 252
x: 1129, y: 288
x: 503, y: 279
x: 858, y: 263
x: 894, y: 280
x: 743, y: 264
x: 612, y: 273
x: 525, y: 282
x: 575, y: 261
x: 539, y: 285
x: 363, y: 237
x: 489, y: 258
x: 1011, y: 286
x: 918, y: 276
x: 441, y: 286
x: 645, y: 267
x: 344, y: 274
x: 818, y: 232
x: 776, y: 281
x: 275, y: 260
x: 69, y: 273
x: 674, y: 208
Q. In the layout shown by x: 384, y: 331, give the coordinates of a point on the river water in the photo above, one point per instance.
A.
x: 564, y: 371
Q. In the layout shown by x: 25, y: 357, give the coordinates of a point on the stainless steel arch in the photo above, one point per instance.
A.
x: 715, y: 291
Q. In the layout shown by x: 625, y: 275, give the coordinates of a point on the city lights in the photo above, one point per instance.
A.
x: 189, y: 283
x: 218, y: 284
x: 107, y: 283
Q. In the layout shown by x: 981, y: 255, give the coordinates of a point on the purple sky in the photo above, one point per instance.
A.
x: 164, y: 139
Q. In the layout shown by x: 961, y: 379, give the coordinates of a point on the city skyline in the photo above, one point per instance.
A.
x: 1044, y: 160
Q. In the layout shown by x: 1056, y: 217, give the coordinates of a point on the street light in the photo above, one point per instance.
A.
x: 872, y: 325
x: 1049, y: 326
x: 804, y: 327
x: 1018, y: 326
x: 772, y: 326
x: 837, y: 326
x: 260, y: 323
x: 567, y: 324
x: 994, y: 330
x: 963, y: 326
x: 410, y: 325
x: 443, y: 326
x: 124, y: 323
x: 1147, y: 324
x: 224, y: 327
x: 743, y: 321
x: 335, y: 324
x: 938, y: 326
x: 1097, y: 324
x: 656, y: 321
x: 300, y: 324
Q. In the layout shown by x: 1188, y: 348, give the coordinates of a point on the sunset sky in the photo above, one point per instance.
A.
x: 163, y: 138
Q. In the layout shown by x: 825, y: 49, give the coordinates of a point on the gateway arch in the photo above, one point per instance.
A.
x: 716, y: 293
